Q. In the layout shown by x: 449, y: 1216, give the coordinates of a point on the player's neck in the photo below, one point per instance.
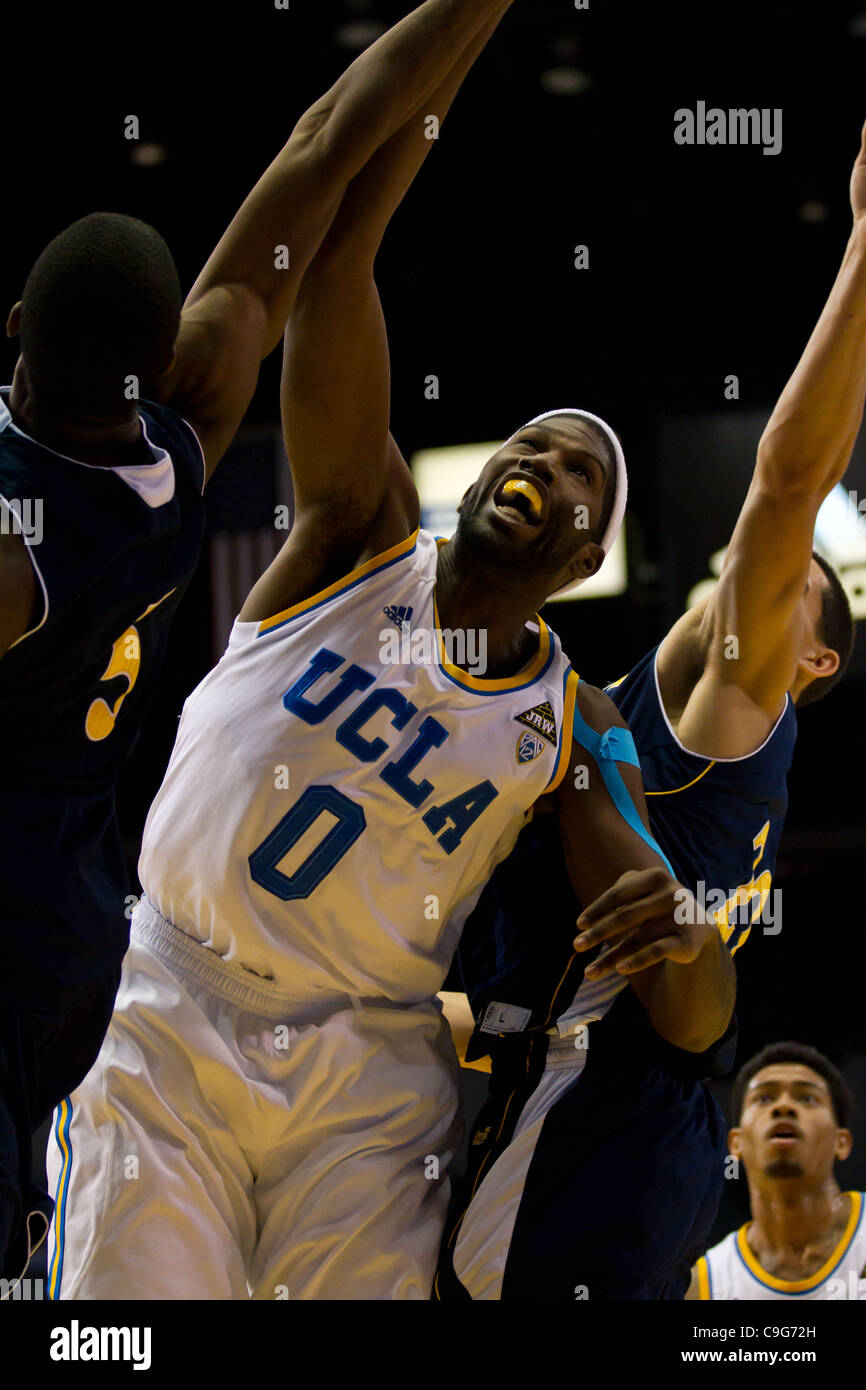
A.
x: 468, y: 603
x: 79, y: 438
x: 795, y: 1218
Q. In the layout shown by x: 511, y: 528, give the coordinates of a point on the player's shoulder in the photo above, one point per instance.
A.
x: 169, y: 420
x: 598, y: 709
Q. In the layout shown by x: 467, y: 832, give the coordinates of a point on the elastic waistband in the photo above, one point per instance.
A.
x: 232, y: 984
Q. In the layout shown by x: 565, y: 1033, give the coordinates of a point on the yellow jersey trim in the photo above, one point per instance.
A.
x: 674, y: 790
x: 703, y: 1279
x: 62, y: 1127
x: 571, y: 685
x: 802, y: 1285
x: 388, y: 557
x: 527, y: 676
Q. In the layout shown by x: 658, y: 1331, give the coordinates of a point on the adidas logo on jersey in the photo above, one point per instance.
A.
x: 542, y: 720
x: 399, y: 616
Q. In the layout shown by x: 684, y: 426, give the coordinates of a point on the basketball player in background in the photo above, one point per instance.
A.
x: 108, y: 496
x: 806, y: 1239
x: 276, y: 1059
x: 584, y: 1095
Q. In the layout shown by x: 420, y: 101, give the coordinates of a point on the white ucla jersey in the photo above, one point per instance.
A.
x: 731, y: 1271
x: 338, y: 794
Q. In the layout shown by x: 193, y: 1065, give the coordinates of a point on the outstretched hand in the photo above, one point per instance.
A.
x: 646, y: 917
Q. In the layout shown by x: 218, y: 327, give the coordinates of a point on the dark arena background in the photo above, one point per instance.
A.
x: 702, y: 265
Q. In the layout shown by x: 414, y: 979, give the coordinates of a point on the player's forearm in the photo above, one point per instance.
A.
x: 691, y: 1005
x: 374, y: 196
x: 811, y: 434
x: 393, y: 79
x: 296, y: 200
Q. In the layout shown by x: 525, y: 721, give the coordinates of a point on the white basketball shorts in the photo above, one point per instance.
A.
x: 224, y: 1146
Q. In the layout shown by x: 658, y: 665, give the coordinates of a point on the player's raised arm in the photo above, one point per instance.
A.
x: 354, y: 495
x: 752, y: 641
x: 634, y: 906
x: 238, y: 307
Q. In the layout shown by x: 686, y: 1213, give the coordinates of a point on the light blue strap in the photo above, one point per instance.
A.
x: 616, y: 746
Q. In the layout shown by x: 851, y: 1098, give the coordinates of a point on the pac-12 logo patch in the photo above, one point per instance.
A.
x: 542, y: 720
x: 529, y: 747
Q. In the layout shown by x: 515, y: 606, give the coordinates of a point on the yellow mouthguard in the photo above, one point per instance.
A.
x: 519, y: 485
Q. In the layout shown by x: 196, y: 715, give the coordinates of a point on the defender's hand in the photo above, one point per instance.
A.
x: 646, y: 917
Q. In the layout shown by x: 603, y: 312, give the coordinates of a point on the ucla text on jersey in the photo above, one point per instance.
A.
x: 328, y: 817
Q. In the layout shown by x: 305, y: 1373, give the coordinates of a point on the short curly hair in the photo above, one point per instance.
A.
x: 101, y: 304
x: 780, y: 1052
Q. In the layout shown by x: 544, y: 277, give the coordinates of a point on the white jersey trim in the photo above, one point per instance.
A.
x: 703, y: 756
x: 153, y: 482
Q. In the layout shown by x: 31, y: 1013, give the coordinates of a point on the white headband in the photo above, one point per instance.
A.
x: 620, y: 497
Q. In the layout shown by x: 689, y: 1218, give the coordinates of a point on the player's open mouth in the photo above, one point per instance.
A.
x: 521, y: 499
x: 784, y: 1134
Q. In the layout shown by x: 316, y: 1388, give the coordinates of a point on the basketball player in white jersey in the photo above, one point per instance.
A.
x: 100, y: 311
x: 806, y: 1239
x: 278, y: 1076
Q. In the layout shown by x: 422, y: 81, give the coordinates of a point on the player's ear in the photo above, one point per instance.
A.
x: 13, y: 323
x: 735, y: 1145
x: 463, y: 499
x: 844, y: 1143
x: 587, y: 562
x: 820, y: 661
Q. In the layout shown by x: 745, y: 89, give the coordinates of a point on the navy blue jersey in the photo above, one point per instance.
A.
x: 113, y: 549
x: 718, y: 822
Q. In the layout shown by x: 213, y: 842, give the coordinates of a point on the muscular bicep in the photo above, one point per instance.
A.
x: 219, y: 350
x: 603, y: 817
x: 756, y: 608
x: 725, y: 670
x: 751, y: 630
x: 336, y: 391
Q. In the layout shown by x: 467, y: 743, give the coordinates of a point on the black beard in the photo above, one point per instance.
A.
x: 784, y: 1168
x: 502, y: 566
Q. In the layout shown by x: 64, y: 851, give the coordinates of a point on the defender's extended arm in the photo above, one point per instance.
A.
x: 354, y: 494
x: 803, y: 454
x: 238, y: 307
x: 679, y: 969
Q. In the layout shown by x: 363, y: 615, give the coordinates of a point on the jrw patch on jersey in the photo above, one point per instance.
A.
x: 542, y: 719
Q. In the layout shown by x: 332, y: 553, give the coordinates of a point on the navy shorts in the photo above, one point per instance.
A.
x: 622, y: 1185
